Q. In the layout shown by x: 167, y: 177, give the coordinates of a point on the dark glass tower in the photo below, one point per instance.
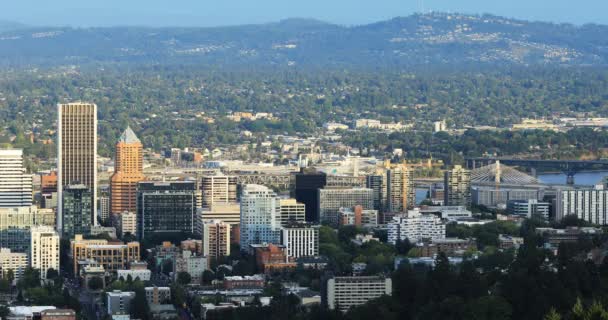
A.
x: 307, y: 184
x: 166, y: 207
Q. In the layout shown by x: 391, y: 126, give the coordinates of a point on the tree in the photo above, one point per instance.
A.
x: 52, y: 273
x: 184, y: 278
x: 95, y: 283
x: 208, y: 277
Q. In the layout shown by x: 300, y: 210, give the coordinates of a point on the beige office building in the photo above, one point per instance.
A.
x: 401, y: 194
x: 76, y: 151
x: 292, y: 212
x: 218, y: 189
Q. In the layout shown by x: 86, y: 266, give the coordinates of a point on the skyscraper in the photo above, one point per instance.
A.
x: 400, y: 188
x: 128, y: 171
x: 77, y: 210
x: 457, y: 187
x: 260, y: 210
x: 216, y: 238
x: 76, y: 151
x: 166, y: 207
x: 307, y: 184
x: 15, y: 184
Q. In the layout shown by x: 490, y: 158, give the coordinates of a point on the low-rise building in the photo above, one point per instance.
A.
x: 270, y: 258
x: 509, y: 242
x: 449, y: 246
x: 142, y: 275
x: 244, y: 282
x: 357, y: 216
x: 119, y: 302
x: 58, y: 314
x: 158, y: 295
x: 191, y: 264
x: 529, y: 208
x: 113, y: 256
x: 16, y: 262
x: 342, y: 293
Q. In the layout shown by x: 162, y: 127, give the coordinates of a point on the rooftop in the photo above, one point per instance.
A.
x: 128, y: 136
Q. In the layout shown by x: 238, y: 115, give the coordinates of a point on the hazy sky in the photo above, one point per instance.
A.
x: 230, y: 12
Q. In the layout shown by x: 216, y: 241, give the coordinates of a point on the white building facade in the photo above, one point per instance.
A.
x: 301, y: 240
x: 415, y: 227
x: 44, y: 249
x: 15, y: 184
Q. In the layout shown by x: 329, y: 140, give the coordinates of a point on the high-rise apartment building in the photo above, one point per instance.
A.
x: 166, y: 207
x: 331, y: 200
x: 301, y: 240
x: 292, y: 211
x: 400, y: 188
x: 44, y: 249
x: 77, y: 213
x: 457, y: 187
x: 76, y: 151
x: 15, y: 183
x: 307, y: 184
x: 128, y: 171
x: 103, y: 206
x: 216, y: 238
x: 260, y: 210
x: 377, y: 183
x: 589, y: 204
x: 218, y: 189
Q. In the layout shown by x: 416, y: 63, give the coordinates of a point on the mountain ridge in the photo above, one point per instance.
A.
x: 419, y: 39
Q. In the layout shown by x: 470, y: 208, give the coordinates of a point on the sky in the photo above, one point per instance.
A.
x: 86, y: 13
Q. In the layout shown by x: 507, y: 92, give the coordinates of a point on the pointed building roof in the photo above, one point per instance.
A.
x: 128, y: 136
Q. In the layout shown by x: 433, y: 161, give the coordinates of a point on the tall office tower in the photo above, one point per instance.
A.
x: 76, y: 151
x: 218, y: 189
x: 307, y: 184
x: 457, y: 187
x: 15, y: 184
x: 216, y: 238
x: 128, y: 171
x: 400, y: 188
x: 301, y: 240
x: 260, y: 209
x: 376, y: 183
x: 331, y: 200
x: 291, y: 212
x: 77, y: 211
x: 166, y: 207
x: 44, y: 249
